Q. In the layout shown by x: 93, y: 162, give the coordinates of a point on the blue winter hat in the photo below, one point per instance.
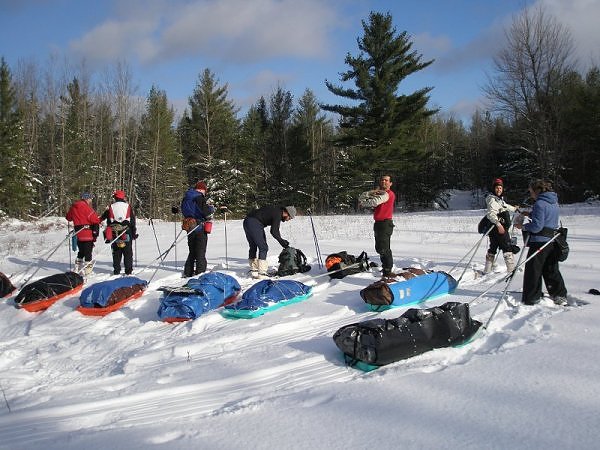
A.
x: 87, y: 196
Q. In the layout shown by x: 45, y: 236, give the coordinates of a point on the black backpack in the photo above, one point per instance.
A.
x: 342, y: 264
x: 291, y: 261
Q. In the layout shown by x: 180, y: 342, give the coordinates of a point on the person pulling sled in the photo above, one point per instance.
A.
x: 121, y: 231
x: 84, y: 218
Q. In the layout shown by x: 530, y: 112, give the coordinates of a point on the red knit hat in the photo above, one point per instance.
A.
x: 201, y: 186
x: 498, y: 182
x: 119, y: 194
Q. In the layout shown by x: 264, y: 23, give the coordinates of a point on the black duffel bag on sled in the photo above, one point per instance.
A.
x: 378, y: 342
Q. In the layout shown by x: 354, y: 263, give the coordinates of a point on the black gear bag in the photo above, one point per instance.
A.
x: 378, y: 342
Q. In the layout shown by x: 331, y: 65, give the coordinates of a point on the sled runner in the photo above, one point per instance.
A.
x: 373, y: 343
x: 6, y: 287
x: 266, y: 296
x: 43, y: 293
x: 373, y: 198
x: 104, y: 297
x: 199, y: 295
x: 409, y: 287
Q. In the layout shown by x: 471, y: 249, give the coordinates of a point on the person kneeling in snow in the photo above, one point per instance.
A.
x: 254, y: 227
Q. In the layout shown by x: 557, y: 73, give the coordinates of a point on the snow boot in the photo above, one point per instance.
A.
x: 88, y: 269
x: 253, y: 263
x: 489, y: 262
x: 263, y: 269
x: 78, y: 265
x: 509, y: 260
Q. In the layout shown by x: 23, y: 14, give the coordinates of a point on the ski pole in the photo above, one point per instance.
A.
x: 508, y: 282
x: 151, y: 223
x: 164, y: 254
x: 44, y: 258
x: 175, y: 210
x: 93, y: 261
x: 224, y: 208
x: 317, y: 249
x: 511, y: 274
x: 474, y: 252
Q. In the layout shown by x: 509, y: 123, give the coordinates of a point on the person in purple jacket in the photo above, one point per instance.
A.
x: 544, y: 219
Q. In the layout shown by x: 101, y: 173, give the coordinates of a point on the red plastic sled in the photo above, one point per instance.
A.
x: 42, y: 305
x: 108, y: 309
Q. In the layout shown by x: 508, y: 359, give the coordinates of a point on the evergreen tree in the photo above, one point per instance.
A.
x: 380, y: 130
x: 15, y: 183
x: 160, y: 160
x: 210, y: 129
x: 311, y: 133
x: 278, y: 153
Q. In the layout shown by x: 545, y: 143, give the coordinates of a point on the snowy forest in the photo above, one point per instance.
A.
x: 65, y: 130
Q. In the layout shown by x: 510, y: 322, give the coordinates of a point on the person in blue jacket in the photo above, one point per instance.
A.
x: 544, y: 219
x: 195, y: 206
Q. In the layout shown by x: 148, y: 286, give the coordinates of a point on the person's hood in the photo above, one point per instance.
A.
x: 548, y: 197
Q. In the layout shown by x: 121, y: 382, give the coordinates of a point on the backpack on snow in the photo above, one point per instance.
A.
x: 342, y: 264
x: 291, y: 261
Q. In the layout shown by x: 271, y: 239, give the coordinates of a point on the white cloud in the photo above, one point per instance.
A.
x: 581, y: 18
x: 233, y: 30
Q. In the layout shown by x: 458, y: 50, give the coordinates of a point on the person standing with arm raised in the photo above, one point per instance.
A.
x: 384, y: 225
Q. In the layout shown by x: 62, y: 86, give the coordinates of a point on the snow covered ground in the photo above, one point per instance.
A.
x: 129, y: 381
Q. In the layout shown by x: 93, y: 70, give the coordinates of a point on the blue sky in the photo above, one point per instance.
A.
x: 256, y: 45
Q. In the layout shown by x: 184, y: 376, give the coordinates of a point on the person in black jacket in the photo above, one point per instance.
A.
x: 254, y: 227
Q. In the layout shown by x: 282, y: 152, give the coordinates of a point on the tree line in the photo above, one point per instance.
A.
x: 63, y: 132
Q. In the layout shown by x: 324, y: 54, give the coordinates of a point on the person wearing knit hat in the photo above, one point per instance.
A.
x: 120, y: 231
x: 197, y: 213
x: 498, y: 212
x: 254, y: 227
x: 86, y: 225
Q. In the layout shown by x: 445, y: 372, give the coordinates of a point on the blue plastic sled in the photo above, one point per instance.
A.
x: 265, y: 296
x: 418, y: 289
x: 199, y: 295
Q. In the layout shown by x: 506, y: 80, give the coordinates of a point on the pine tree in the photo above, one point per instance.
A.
x: 160, y: 159
x: 311, y: 134
x: 15, y: 182
x: 380, y: 128
x: 210, y: 128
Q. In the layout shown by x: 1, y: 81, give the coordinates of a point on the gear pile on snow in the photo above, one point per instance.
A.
x: 199, y: 295
x: 408, y: 287
x: 291, y: 261
x: 265, y: 296
x: 343, y: 264
x: 107, y: 296
x: 377, y: 342
x: 42, y: 293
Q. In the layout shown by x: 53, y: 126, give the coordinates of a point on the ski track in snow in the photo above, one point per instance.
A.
x: 54, y: 355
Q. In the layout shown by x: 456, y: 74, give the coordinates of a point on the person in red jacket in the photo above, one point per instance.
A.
x: 384, y: 226
x: 84, y: 218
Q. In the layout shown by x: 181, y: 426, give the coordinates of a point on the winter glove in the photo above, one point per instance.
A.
x: 285, y: 244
